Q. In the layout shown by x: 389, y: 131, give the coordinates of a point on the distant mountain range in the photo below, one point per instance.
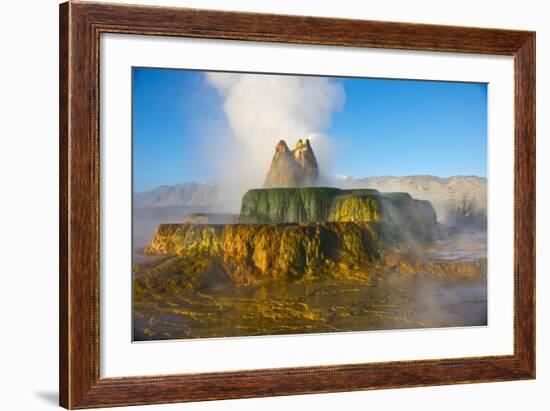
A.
x: 441, y: 192
x: 185, y: 194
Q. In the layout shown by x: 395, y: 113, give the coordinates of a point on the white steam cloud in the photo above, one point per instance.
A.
x: 263, y: 109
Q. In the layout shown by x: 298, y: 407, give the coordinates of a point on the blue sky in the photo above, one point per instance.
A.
x: 386, y: 127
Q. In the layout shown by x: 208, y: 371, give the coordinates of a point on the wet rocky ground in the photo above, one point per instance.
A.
x: 441, y: 285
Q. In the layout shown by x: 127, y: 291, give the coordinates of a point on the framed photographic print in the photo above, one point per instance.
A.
x: 256, y: 205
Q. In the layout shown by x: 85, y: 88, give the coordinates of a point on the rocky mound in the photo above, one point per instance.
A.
x: 297, y: 168
x: 291, y: 231
x: 251, y: 252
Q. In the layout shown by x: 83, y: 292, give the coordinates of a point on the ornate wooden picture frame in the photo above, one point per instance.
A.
x: 80, y: 27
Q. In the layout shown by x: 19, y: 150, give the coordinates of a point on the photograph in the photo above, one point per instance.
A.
x: 269, y: 204
x: 275, y: 205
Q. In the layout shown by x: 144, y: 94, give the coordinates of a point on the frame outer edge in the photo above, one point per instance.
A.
x: 80, y: 385
x: 526, y: 179
x: 77, y: 187
x: 64, y: 352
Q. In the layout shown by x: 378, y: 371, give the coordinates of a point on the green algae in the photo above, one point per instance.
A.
x: 405, y: 217
x: 287, y: 205
x: 356, y: 208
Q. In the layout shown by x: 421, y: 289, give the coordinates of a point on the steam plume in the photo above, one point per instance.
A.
x: 262, y: 109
